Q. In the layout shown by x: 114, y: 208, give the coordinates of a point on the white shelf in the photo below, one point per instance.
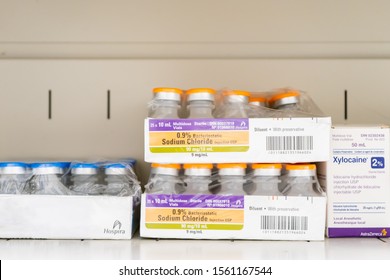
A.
x: 151, y: 249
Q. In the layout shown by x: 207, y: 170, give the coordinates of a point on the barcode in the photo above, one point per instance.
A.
x: 289, y: 143
x: 284, y: 222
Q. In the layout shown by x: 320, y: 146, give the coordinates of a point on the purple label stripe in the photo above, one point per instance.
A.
x: 194, y: 201
x: 198, y: 124
x: 359, y: 232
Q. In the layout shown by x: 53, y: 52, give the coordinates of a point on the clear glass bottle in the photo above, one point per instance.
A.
x: 13, y: 176
x: 256, y: 107
x: 301, y: 180
x: 232, y: 178
x: 286, y: 100
x: 118, y: 180
x: 197, y: 178
x: 46, y: 179
x: 258, y: 101
x: 65, y: 165
x: 235, y: 104
x: 84, y: 179
x: 200, y: 103
x: 164, y: 179
x: 266, y: 179
x: 166, y: 103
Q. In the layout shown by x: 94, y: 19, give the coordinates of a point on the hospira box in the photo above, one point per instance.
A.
x: 358, y: 182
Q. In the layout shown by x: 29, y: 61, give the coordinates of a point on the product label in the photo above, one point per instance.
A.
x: 233, y: 217
x: 194, y: 213
x: 195, y: 136
x: 245, y: 140
x: 358, y: 183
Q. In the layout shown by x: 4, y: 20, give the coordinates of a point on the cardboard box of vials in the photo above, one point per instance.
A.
x: 358, y: 182
x: 68, y: 216
x: 207, y: 216
x: 244, y: 140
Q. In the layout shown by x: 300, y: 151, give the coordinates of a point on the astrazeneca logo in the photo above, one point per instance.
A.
x: 116, y: 229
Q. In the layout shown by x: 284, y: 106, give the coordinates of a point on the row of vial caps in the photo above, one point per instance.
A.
x: 201, y: 102
x: 81, y: 177
x: 270, y: 179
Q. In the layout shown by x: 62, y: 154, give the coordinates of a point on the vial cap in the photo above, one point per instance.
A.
x: 266, y: 166
x: 198, y: 166
x: 84, y: 168
x: 237, y: 92
x: 197, y: 94
x: 169, y: 94
x: 13, y: 168
x: 283, y: 98
x: 198, y: 169
x: 166, y: 169
x: 257, y: 100
x: 266, y: 169
x: 163, y: 165
x: 231, y: 169
x: 301, y: 169
x: 47, y: 168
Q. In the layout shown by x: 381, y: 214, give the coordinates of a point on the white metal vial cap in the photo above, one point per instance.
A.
x: 199, y: 169
x: 301, y: 170
x: 13, y: 168
x: 200, y: 94
x: 258, y: 101
x: 84, y: 169
x: 231, y: 169
x: 166, y: 169
x: 168, y: 94
x: 47, y: 168
x: 236, y: 96
x: 286, y: 98
x: 116, y: 169
x: 266, y: 169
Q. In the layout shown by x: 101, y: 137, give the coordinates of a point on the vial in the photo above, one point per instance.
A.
x: 46, y: 179
x: 84, y: 179
x: 166, y: 103
x: 258, y: 101
x: 232, y: 178
x: 301, y: 180
x: 200, y: 103
x: 257, y: 105
x: 235, y: 104
x: 118, y: 180
x: 165, y: 179
x: 266, y: 179
x: 288, y: 100
x: 65, y: 177
x: 197, y: 178
x: 13, y: 176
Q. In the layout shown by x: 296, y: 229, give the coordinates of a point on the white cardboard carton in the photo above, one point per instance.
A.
x: 358, y: 182
x: 244, y: 140
x: 232, y: 217
x: 67, y: 217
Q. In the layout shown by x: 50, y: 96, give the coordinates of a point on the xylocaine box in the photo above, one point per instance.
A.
x: 238, y: 140
x: 186, y: 216
x: 68, y: 217
x: 358, y: 182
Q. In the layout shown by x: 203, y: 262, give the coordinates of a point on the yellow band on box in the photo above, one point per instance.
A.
x: 194, y: 215
x: 171, y: 139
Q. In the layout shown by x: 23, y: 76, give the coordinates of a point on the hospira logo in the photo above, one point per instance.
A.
x: 116, y: 229
x: 340, y: 160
